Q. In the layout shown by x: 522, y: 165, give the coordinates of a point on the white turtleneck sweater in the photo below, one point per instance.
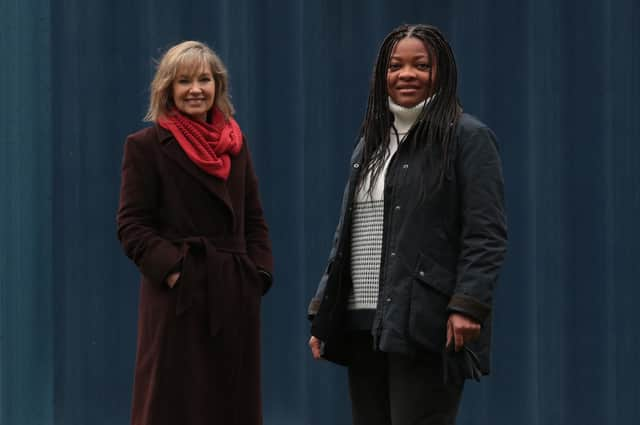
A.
x: 368, y: 218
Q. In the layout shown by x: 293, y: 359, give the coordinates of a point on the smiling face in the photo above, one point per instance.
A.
x: 194, y: 91
x: 411, y: 74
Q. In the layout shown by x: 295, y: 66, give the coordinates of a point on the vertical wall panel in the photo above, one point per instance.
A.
x: 584, y: 212
x: 620, y: 141
x: 26, y: 284
x: 547, y: 226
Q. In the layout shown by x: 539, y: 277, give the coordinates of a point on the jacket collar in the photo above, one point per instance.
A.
x: 218, y: 187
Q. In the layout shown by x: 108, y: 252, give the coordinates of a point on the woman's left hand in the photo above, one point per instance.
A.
x: 172, y: 279
x: 315, y: 344
x: 461, y: 329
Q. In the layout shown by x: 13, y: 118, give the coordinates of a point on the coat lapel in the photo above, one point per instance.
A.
x: 172, y: 149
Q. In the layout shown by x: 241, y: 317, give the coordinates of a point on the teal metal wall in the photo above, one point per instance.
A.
x: 26, y: 188
x: 558, y: 81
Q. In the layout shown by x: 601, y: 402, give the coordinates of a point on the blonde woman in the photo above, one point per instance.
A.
x: 191, y: 219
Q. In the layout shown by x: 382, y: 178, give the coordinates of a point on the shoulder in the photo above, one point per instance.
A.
x: 472, y: 131
x: 144, y: 144
x: 470, y: 125
x: 148, y: 138
x: 144, y: 136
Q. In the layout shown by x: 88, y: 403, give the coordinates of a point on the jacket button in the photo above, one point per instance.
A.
x: 421, y: 273
x: 405, y: 166
x: 388, y: 300
x: 356, y: 165
x: 397, y: 207
x: 393, y: 254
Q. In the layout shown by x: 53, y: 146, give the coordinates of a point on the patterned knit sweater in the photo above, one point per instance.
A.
x: 367, y: 227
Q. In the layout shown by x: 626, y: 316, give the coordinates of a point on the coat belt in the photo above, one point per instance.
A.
x: 186, y: 290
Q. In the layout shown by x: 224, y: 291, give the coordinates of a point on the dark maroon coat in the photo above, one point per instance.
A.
x: 198, y: 354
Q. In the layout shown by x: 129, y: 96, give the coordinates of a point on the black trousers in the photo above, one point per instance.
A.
x: 396, y: 389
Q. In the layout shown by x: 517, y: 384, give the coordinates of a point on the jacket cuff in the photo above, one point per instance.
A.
x: 469, y: 307
x: 314, y: 307
x: 267, y: 280
x: 159, y: 262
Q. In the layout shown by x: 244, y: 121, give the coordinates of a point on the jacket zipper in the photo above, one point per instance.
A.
x: 383, y: 254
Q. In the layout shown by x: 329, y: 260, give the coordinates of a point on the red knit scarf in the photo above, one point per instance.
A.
x: 209, y: 146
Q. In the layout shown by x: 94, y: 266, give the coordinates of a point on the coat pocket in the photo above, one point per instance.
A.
x: 431, y: 288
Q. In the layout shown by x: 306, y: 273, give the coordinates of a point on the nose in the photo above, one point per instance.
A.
x: 407, y: 73
x: 195, y: 87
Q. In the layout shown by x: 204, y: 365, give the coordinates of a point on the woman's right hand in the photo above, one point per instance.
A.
x: 172, y: 279
x: 314, y: 344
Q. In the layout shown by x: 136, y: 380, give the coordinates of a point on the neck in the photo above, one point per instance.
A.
x: 404, y: 118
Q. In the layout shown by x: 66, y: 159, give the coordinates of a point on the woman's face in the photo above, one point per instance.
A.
x: 194, y: 92
x: 412, y: 73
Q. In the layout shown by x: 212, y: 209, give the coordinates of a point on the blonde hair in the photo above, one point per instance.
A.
x: 193, y: 55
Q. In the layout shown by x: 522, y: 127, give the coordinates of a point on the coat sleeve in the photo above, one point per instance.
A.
x: 314, y: 304
x: 483, y: 242
x: 256, y: 230
x: 137, y: 224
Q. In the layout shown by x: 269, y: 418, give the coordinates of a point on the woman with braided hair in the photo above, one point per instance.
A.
x: 406, y: 298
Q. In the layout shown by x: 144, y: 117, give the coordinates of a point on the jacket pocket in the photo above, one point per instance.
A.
x: 431, y: 288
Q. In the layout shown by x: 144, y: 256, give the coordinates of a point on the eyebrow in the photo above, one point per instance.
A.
x: 418, y: 56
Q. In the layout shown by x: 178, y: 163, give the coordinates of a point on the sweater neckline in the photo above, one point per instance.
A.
x: 404, y: 118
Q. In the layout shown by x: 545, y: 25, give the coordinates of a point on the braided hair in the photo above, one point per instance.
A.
x: 434, y: 130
